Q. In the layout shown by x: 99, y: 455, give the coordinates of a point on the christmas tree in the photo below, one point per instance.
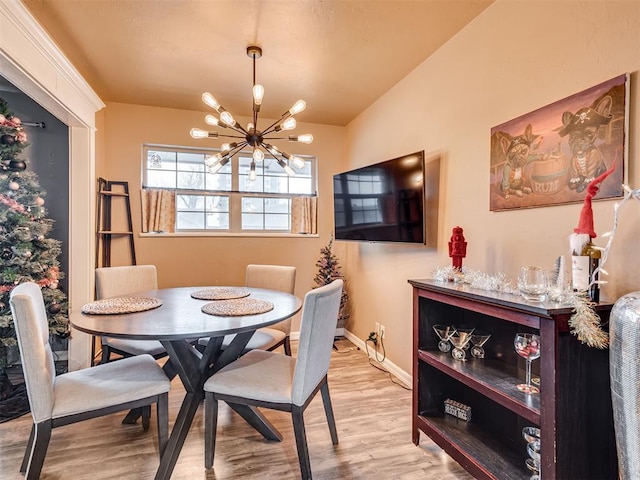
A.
x: 26, y: 253
x: 329, y: 270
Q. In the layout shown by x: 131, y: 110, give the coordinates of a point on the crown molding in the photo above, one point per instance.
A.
x: 26, y: 50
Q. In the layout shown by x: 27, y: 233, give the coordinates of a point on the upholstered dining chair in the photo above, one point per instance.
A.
x: 60, y: 400
x: 273, y: 277
x: 272, y: 380
x: 119, y: 281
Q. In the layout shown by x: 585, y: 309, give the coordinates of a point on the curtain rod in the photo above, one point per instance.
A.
x: 223, y: 192
x: 34, y: 124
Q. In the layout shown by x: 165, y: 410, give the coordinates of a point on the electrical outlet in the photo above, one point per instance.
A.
x: 377, y: 329
x: 382, y: 331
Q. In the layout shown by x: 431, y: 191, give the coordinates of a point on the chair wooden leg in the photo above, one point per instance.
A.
x: 28, y: 450
x: 146, y: 417
x: 42, y: 435
x: 210, y: 427
x: 162, y: 411
x: 301, y: 442
x: 328, y: 410
x: 287, y: 345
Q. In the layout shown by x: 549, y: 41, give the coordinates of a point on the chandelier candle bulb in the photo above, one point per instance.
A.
x: 211, y: 120
x: 286, y: 168
x: 218, y: 166
x: 297, y: 162
x: 258, y: 94
x: 272, y: 150
x: 298, y: 107
x: 306, y: 138
x: 258, y: 155
x: 211, y: 101
x: 199, y: 133
x: 289, y: 124
x: 227, y: 147
x: 227, y: 118
x: 213, y: 160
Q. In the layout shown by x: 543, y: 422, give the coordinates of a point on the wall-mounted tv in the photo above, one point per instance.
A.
x: 390, y: 201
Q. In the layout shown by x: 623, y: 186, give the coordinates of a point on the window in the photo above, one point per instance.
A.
x: 226, y: 201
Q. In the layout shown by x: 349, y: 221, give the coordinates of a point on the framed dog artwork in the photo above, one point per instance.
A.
x: 549, y: 156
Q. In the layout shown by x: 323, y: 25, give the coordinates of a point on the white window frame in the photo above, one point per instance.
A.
x: 234, y: 194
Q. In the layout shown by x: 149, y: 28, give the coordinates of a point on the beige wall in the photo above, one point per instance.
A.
x: 210, y: 260
x: 516, y: 57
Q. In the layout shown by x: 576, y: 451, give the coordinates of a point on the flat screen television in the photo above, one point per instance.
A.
x: 385, y: 202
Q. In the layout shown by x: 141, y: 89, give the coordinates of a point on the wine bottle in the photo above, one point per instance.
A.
x: 583, y: 266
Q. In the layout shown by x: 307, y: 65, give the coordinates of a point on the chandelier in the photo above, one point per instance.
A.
x: 251, y: 136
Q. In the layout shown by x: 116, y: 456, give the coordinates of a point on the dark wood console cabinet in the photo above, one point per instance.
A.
x: 573, y: 409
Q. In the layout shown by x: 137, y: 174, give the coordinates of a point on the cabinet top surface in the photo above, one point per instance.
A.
x: 547, y: 308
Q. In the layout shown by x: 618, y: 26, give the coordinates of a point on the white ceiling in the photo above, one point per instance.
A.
x: 337, y: 55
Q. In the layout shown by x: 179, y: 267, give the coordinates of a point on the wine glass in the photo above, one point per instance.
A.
x: 527, y: 345
x: 444, y: 333
x: 460, y: 339
x: 533, y: 283
x: 478, y: 339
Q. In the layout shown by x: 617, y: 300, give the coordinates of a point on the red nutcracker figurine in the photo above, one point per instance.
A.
x: 457, y: 248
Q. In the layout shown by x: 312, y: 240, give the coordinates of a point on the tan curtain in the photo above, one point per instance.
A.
x: 158, y: 211
x: 304, y: 214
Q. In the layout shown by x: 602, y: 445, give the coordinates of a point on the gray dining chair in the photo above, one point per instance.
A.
x: 272, y: 277
x: 117, y: 282
x: 280, y: 382
x: 61, y: 400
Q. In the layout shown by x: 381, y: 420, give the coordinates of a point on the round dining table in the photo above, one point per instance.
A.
x: 177, y: 323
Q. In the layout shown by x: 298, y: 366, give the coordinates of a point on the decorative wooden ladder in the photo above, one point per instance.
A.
x: 104, y: 232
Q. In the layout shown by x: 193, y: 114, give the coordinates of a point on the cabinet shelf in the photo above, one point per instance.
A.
x: 490, y: 459
x: 107, y: 193
x: 491, y: 378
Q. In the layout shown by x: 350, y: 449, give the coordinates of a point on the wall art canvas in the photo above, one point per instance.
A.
x: 549, y: 156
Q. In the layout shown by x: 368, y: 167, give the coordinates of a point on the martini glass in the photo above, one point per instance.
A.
x: 478, y: 339
x: 527, y: 345
x: 460, y: 339
x: 444, y: 333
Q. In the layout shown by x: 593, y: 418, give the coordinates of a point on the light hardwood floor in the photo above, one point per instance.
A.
x: 373, y: 417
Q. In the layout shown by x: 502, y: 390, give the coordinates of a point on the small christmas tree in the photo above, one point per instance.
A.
x: 328, y: 270
x: 26, y: 254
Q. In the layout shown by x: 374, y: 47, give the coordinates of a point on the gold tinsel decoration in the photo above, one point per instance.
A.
x: 585, y: 322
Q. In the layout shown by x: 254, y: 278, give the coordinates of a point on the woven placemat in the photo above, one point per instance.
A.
x: 237, y: 307
x: 220, y: 293
x: 118, y: 305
